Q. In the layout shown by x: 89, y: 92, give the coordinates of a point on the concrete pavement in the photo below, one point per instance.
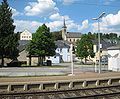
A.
x: 62, y: 69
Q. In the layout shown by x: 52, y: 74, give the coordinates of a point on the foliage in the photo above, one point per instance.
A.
x: 42, y: 44
x: 8, y: 40
x: 57, y: 35
x: 85, y: 47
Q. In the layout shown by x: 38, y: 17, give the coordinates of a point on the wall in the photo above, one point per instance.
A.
x: 26, y: 35
x: 114, y: 60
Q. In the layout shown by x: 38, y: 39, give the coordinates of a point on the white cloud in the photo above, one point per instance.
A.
x: 85, y: 25
x: 21, y: 25
x: 71, y: 25
x: 32, y: 26
x: 41, y: 7
x: 57, y: 16
x: 108, y: 2
x: 55, y: 24
x: 109, y: 23
x: 68, y: 2
x: 15, y: 12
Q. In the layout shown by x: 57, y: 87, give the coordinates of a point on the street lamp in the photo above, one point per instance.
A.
x: 71, y: 54
x: 98, y: 19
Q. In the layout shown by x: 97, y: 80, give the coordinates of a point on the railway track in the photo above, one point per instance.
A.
x: 108, y: 92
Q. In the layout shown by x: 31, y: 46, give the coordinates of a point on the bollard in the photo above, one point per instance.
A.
x: 41, y: 87
x: 9, y: 88
x: 25, y: 88
x: 56, y: 86
x: 84, y: 83
x: 109, y: 82
x: 71, y: 85
x: 97, y: 83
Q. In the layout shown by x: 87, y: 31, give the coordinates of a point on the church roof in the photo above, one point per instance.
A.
x: 73, y: 35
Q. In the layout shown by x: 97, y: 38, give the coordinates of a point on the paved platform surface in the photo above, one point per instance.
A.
x: 82, y: 75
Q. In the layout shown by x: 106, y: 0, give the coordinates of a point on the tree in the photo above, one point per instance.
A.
x: 84, y: 47
x: 42, y: 44
x: 8, y: 40
x: 57, y: 35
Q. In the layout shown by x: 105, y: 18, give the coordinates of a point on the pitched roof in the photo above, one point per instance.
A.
x: 117, y: 47
x: 61, y: 44
x: 104, y: 43
x: 22, y: 44
x: 73, y: 34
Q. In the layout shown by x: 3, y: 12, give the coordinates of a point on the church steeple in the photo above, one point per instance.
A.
x: 64, y: 32
x: 64, y: 25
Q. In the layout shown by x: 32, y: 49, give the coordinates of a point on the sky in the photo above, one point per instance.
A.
x: 78, y: 14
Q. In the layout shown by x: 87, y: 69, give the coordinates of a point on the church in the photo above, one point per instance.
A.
x: 71, y: 37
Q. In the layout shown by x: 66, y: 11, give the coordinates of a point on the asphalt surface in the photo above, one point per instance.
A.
x: 56, y: 69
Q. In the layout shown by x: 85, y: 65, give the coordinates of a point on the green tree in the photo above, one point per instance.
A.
x: 84, y: 47
x: 42, y: 44
x: 8, y: 40
x: 57, y: 35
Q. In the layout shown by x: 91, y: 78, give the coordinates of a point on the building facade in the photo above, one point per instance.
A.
x: 114, y: 58
x: 62, y: 52
x: 26, y: 35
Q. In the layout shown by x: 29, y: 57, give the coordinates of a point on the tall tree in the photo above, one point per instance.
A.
x: 84, y: 47
x: 42, y: 44
x: 57, y: 35
x: 8, y: 40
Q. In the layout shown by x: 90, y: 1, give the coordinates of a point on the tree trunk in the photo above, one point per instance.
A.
x: 2, y: 61
x: 39, y: 60
x: 29, y: 60
x: 85, y: 60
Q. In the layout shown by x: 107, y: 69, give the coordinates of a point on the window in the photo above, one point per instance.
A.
x: 74, y: 40
x: 70, y: 40
x: 61, y: 50
x: 68, y: 50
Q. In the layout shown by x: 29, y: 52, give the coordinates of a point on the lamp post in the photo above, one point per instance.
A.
x: 98, y: 19
x: 71, y: 53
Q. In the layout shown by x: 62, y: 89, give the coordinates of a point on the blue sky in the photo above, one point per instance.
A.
x: 29, y: 14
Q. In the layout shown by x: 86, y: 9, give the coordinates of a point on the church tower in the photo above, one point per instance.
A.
x: 64, y: 32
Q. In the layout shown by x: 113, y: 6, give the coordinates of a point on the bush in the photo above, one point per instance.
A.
x: 14, y: 63
x: 49, y: 63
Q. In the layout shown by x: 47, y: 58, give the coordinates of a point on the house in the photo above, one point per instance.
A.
x: 114, y: 58
x: 71, y: 37
x: 26, y: 35
x: 22, y: 52
x: 103, y: 49
x: 62, y: 52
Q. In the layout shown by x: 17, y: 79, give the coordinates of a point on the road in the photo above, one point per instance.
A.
x: 62, y: 69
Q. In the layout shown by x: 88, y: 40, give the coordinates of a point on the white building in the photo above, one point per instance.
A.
x: 114, y: 58
x: 26, y: 35
x: 62, y: 52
